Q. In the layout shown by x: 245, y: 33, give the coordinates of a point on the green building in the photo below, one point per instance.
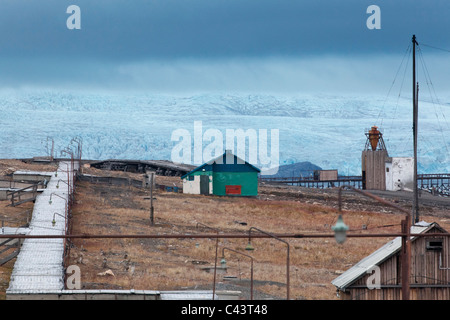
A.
x: 226, y: 175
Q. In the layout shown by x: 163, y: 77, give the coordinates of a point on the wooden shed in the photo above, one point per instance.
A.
x: 226, y: 175
x: 324, y: 175
x: 430, y: 270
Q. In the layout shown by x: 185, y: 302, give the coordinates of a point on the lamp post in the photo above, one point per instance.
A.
x: 50, y: 152
x: 79, y: 143
x: 69, y: 182
x: 223, y: 262
x: 249, y: 247
x: 79, y: 148
x: 340, y: 230
x: 57, y: 214
x: 70, y: 152
x: 215, y: 259
x: 68, y: 186
x: 66, y: 218
x: 65, y: 200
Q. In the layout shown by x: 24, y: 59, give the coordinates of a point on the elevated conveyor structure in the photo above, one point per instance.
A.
x: 39, y: 266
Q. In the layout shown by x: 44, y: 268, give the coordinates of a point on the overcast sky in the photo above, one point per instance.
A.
x: 198, y: 45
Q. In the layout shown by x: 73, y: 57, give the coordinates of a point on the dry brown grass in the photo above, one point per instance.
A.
x: 8, y: 166
x: 173, y: 264
x: 11, y: 217
x: 166, y: 264
x: 15, y: 216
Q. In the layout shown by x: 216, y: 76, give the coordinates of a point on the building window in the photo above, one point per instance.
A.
x: 434, y: 245
x: 191, y: 178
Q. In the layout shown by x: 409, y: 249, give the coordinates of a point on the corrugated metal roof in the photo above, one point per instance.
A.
x: 376, y: 258
x: 187, y: 295
x: 39, y: 265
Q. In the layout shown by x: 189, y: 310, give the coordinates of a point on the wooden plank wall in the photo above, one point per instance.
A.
x: 373, y: 163
x: 429, y: 280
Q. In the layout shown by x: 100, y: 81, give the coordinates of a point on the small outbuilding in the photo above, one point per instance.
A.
x: 430, y: 269
x: 226, y: 175
x: 324, y: 175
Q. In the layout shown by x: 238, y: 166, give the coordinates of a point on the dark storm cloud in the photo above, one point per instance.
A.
x: 117, y: 36
x: 216, y: 28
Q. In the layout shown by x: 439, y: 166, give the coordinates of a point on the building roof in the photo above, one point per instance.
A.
x: 378, y: 257
x: 223, y: 161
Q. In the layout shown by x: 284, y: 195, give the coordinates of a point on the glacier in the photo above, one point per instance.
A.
x: 323, y: 128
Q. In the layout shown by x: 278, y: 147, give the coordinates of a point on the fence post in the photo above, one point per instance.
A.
x: 151, y: 200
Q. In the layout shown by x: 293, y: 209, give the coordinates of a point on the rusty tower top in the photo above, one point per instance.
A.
x: 374, y: 139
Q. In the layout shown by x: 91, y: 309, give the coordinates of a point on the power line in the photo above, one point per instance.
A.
x: 406, y: 54
x: 430, y: 84
x: 437, y: 48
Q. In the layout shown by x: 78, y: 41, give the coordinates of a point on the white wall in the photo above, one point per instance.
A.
x: 400, y: 174
x: 193, y: 187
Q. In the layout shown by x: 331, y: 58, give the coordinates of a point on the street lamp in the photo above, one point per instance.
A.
x: 68, y: 185
x: 65, y: 200
x: 79, y: 142
x: 223, y: 263
x: 340, y: 230
x: 68, y: 151
x: 54, y: 221
x: 249, y: 247
x: 69, y: 182
x: 217, y: 246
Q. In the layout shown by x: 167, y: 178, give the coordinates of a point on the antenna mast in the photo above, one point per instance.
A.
x: 415, y: 209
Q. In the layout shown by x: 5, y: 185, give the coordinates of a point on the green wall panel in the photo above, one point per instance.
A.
x: 247, y: 180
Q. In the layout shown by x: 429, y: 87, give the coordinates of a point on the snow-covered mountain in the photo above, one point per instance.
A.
x: 327, y: 130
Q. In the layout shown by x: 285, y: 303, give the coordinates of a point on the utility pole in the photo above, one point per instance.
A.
x: 152, y: 222
x: 415, y: 209
x: 406, y: 257
x: 414, y: 216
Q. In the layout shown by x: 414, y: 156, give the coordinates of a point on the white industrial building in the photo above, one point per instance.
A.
x: 399, y: 174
